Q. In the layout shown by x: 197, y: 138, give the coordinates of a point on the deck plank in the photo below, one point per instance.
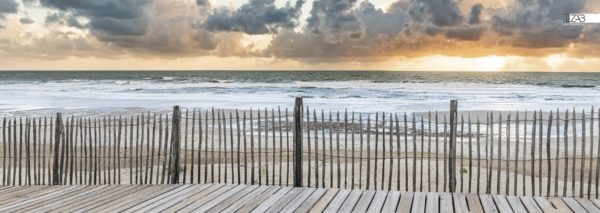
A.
x: 132, y: 200
x: 391, y: 202
x: 153, y: 205
x: 99, y: 198
x: 502, y: 204
x: 187, y: 201
x: 27, y: 199
x: 559, y: 204
x: 377, y: 202
x: 351, y: 201
x: 446, y: 203
x: 79, y: 199
x: 118, y: 200
x: 531, y: 205
x: 487, y: 202
x: 324, y: 201
x: 588, y: 205
x: 364, y: 201
x: 460, y: 202
x: 310, y: 201
x: 433, y: 201
x: 277, y: 207
x: 251, y: 198
x: 474, y: 203
x: 337, y: 201
x: 573, y: 204
x: 217, y: 200
x: 266, y: 204
x: 516, y: 204
x: 40, y: 203
x: 260, y: 193
x: 205, y: 198
x: 231, y: 200
x: 301, y: 198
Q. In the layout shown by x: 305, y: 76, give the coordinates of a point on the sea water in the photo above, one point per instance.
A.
x: 92, y: 92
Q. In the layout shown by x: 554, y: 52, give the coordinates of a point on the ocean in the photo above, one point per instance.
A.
x: 96, y: 92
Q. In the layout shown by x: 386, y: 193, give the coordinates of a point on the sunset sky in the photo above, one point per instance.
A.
x: 428, y: 35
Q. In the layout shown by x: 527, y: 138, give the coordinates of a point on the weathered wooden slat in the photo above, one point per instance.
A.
x: 487, y: 202
x: 158, y: 204
x: 260, y: 193
x: 307, y: 204
x: 281, y: 203
x: 544, y: 204
x: 573, y: 204
x: 432, y: 205
x: 516, y: 204
x: 28, y: 206
x: 531, y: 205
x: 247, y: 191
x: 474, y: 203
x: 364, y: 201
x: 558, y: 204
x: 203, y: 195
x: 75, y: 198
x: 419, y: 201
x: 377, y: 202
x: 298, y: 200
x: 446, y: 205
x: 406, y: 201
x: 337, y: 201
x: 266, y: 204
x: 324, y: 201
x: 217, y: 200
x: 391, y: 202
x: 588, y: 205
x: 502, y: 204
x: 460, y: 202
x: 98, y: 199
x: 128, y: 201
x: 351, y: 201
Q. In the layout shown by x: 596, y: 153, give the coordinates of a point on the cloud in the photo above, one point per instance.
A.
x: 255, y: 17
x: 438, y: 12
x: 474, y: 16
x: 538, y: 24
x: 7, y: 7
x: 333, y: 31
x: 26, y: 20
x: 108, y: 18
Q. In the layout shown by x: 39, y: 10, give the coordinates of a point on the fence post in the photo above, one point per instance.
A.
x: 175, y: 146
x: 452, y: 155
x: 56, y: 180
x: 298, y: 142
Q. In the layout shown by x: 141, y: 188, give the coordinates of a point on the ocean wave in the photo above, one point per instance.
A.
x: 576, y: 86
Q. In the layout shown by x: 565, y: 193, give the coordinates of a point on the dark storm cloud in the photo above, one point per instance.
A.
x: 538, y: 24
x: 438, y: 12
x: 108, y: 17
x: 335, y: 19
x: 203, y: 3
x: 26, y: 20
x: 474, y: 16
x: 254, y: 17
x: 54, y: 18
x: 8, y: 6
x: 465, y: 33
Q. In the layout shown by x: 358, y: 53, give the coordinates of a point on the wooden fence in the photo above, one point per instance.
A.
x: 536, y: 153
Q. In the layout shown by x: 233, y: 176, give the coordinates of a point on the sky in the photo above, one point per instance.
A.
x: 394, y: 35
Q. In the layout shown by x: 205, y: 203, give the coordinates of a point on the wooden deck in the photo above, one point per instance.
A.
x: 245, y: 198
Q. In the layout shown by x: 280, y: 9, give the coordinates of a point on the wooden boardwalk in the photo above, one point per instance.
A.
x: 248, y: 198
